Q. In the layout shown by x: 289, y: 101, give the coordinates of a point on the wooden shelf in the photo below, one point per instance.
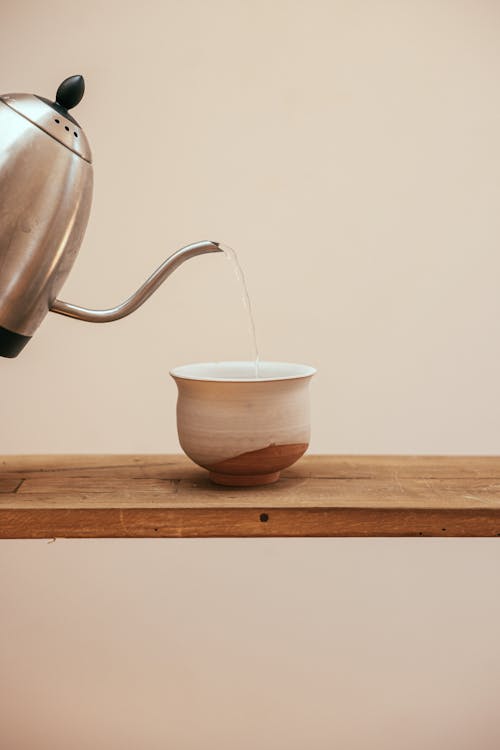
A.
x: 167, y: 496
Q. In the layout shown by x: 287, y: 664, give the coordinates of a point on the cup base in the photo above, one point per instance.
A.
x: 243, y: 480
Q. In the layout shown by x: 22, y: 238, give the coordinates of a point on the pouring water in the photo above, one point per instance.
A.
x: 238, y: 271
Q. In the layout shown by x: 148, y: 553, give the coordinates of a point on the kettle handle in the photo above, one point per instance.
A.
x: 133, y: 302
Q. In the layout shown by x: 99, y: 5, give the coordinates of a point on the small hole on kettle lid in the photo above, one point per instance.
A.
x: 75, y: 134
x: 58, y: 121
x: 66, y: 128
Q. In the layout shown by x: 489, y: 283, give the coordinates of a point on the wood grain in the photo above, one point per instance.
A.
x: 167, y: 496
x: 339, y: 467
x: 9, y: 486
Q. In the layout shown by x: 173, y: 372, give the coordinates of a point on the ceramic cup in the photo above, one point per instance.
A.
x: 243, y: 429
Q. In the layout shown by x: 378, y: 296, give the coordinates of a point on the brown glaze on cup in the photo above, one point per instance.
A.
x: 262, y: 466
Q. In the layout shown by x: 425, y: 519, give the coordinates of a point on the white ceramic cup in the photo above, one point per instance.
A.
x: 243, y: 429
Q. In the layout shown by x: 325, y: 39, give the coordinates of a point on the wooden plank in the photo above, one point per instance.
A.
x: 240, y: 522
x: 347, y: 493
x: 52, y: 491
x: 140, y: 495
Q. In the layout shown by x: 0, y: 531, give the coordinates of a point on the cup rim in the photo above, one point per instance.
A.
x: 182, y: 372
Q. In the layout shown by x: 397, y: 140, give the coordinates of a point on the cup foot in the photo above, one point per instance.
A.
x: 243, y: 480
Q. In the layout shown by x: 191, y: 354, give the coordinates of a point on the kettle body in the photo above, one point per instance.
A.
x: 46, y: 180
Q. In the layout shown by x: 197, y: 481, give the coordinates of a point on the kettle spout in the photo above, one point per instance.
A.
x: 143, y: 293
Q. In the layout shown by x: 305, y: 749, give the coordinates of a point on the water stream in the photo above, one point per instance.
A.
x: 238, y: 271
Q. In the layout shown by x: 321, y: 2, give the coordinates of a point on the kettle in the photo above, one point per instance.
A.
x: 46, y: 179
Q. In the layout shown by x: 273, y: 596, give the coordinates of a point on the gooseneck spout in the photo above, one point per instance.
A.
x: 142, y: 294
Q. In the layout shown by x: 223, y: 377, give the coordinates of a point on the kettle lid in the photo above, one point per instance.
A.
x: 53, y: 117
x: 68, y: 95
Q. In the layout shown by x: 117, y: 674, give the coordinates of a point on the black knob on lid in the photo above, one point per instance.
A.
x: 70, y: 92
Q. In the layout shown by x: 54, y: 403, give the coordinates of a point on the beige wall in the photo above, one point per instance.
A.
x: 273, y: 644
x: 350, y: 152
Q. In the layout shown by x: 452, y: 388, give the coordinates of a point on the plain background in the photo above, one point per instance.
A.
x: 349, y: 151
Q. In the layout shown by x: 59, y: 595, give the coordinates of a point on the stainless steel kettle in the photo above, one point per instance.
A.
x: 45, y: 197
